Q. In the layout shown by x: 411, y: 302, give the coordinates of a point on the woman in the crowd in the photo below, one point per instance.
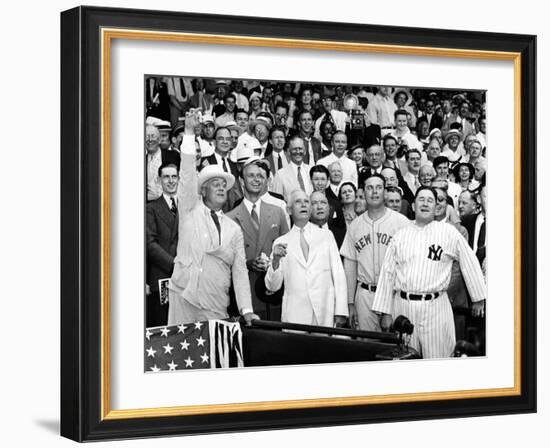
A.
x: 357, y: 154
x: 347, y: 195
x: 464, y: 176
x: 475, y: 153
x: 255, y: 104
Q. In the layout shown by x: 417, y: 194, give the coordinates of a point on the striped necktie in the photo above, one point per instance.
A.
x: 255, y: 219
x: 303, y: 244
x: 301, y: 179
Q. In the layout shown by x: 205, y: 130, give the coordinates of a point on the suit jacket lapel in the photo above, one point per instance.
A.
x: 245, y: 222
x: 165, y: 213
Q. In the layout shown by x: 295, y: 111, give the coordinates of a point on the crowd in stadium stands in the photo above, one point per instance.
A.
x: 262, y: 170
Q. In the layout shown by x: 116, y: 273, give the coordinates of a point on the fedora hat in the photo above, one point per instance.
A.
x: 212, y: 172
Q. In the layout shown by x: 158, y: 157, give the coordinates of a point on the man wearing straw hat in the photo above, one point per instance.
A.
x: 210, y: 251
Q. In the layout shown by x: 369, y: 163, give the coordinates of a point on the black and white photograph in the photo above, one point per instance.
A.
x: 295, y: 223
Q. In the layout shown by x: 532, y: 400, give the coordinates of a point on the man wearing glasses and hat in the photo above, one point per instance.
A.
x: 210, y: 253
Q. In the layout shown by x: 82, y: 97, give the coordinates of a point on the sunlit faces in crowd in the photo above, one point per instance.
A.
x: 425, y: 175
x: 214, y: 193
x: 434, y: 149
x: 393, y: 198
x: 299, y: 206
x: 413, y: 160
x: 468, y: 140
x: 482, y: 125
x: 255, y: 103
x: 335, y: 173
x: 281, y: 113
x: 277, y: 138
x: 296, y: 150
x: 467, y: 204
x: 230, y: 103
x: 319, y: 208
x: 464, y: 109
x: 375, y: 156
x: 441, y: 204
x: 390, y: 147
x: 254, y: 177
x: 168, y: 176
x: 401, y: 120
x: 223, y: 141
x: 424, y: 205
x: 208, y: 129
x: 346, y: 193
x: 400, y: 99
x: 319, y: 176
x: 261, y: 131
x: 241, y: 117
x: 327, y: 104
x: 327, y: 131
x: 390, y: 177
x: 339, y: 143
x: 267, y: 95
x: 480, y: 167
x: 453, y: 140
x: 306, y: 97
x: 441, y: 166
x: 475, y: 150
x: 357, y: 154
x: 165, y: 141
x: 152, y: 139
x: 305, y: 122
x: 374, y: 191
x: 422, y: 129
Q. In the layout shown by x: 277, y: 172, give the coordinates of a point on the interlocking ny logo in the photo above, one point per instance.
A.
x: 435, y: 252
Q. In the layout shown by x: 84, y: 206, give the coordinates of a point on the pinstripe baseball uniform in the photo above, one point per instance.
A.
x: 419, y: 261
x: 365, y: 244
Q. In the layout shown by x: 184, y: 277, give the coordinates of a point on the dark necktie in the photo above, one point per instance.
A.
x: 174, y: 208
x: 301, y: 180
x: 279, y: 162
x: 217, y: 222
x: 224, y: 163
x: 254, y: 216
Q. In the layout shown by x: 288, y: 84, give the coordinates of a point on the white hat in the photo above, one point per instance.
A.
x: 153, y: 121
x: 212, y: 172
x: 207, y: 118
x: 250, y: 160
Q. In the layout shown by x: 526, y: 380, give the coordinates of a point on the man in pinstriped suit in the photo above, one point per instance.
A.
x: 415, y: 276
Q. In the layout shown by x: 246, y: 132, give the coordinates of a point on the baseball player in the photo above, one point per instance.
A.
x: 416, y: 274
x: 364, y: 248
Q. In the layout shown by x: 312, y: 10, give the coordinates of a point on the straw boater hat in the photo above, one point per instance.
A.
x: 451, y: 133
x: 212, y: 172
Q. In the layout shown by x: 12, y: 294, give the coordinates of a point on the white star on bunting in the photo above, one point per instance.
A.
x: 172, y: 365
x: 204, y: 358
x: 181, y: 328
x: 148, y: 334
x: 189, y: 362
x: 151, y: 352
x: 155, y: 368
x: 200, y: 341
x: 198, y: 325
x: 164, y: 332
x: 167, y: 348
x: 184, y: 345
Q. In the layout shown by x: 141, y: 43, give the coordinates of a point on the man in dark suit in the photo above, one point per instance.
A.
x: 261, y: 224
x: 320, y: 176
x: 154, y: 159
x: 312, y: 144
x: 162, y: 242
x: 435, y: 121
x: 276, y: 155
x: 223, y: 142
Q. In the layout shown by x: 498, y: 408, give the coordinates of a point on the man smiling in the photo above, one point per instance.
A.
x: 418, y: 266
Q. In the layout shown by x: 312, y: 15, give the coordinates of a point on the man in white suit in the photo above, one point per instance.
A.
x: 308, y: 262
x: 296, y: 175
x: 210, y: 249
